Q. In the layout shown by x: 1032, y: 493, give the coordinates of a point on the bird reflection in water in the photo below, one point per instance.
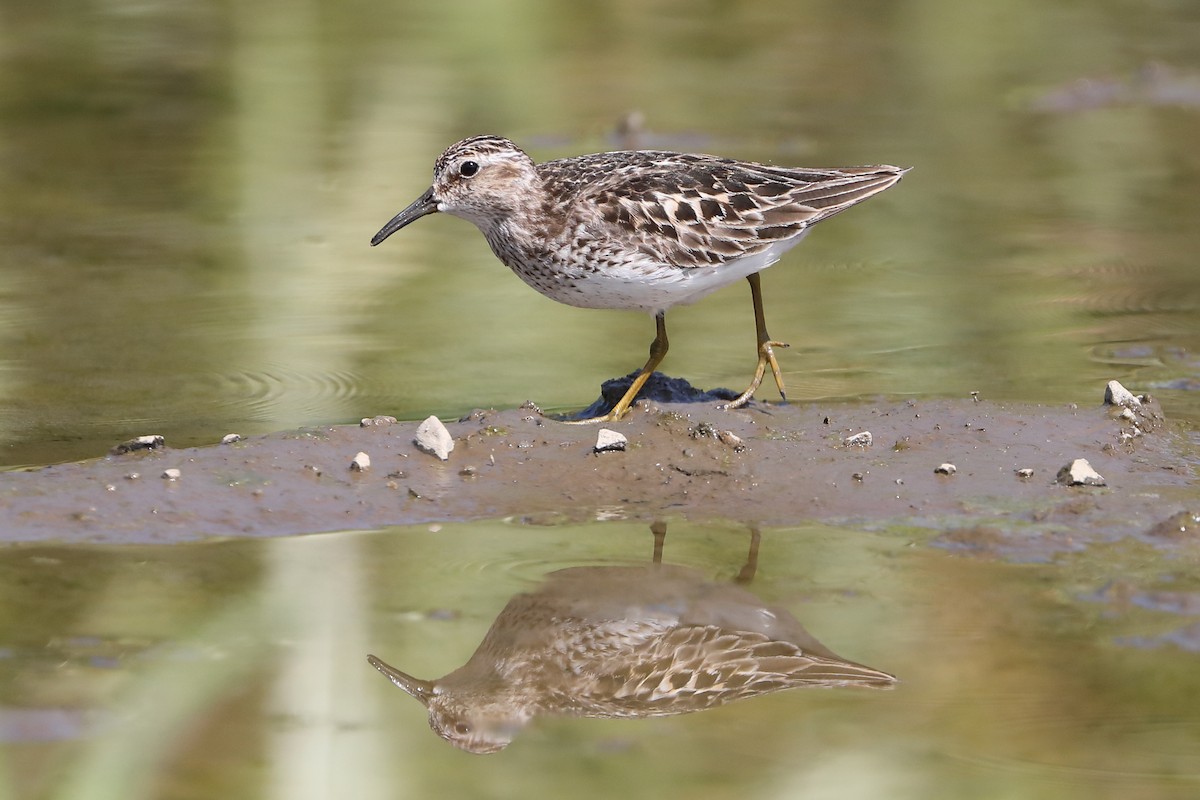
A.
x: 625, y: 641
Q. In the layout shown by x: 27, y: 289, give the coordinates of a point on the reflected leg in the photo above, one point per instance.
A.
x: 748, y: 571
x: 659, y: 529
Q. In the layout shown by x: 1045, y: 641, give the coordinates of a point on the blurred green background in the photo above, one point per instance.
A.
x: 188, y: 190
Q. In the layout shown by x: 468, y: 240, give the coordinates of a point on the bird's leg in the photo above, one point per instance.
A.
x: 766, y: 352
x: 658, y: 350
x: 748, y: 571
x: 659, y: 529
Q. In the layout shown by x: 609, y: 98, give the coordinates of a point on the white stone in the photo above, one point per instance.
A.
x: 609, y: 441
x: 230, y: 438
x: 172, y: 474
x: 731, y: 439
x: 1024, y: 472
x: 148, y: 442
x: 361, y: 462
x: 1117, y: 395
x: 945, y: 469
x: 863, y: 439
x: 433, y: 438
x: 1080, y: 473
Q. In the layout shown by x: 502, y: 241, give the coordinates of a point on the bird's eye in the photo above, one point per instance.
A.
x: 462, y: 728
x: 468, y: 168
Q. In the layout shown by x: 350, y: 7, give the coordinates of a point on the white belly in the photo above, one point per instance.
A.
x: 653, y: 287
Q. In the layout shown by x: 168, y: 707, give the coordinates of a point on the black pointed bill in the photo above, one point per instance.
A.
x: 422, y: 206
x: 421, y: 690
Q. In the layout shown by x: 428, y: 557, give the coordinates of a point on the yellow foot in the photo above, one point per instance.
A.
x: 612, y: 416
x: 619, y: 412
x: 766, y: 355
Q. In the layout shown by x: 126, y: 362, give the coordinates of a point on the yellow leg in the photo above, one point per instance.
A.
x: 658, y: 350
x: 766, y: 352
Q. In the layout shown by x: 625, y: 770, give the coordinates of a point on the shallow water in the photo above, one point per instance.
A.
x: 189, y: 193
x: 238, y: 668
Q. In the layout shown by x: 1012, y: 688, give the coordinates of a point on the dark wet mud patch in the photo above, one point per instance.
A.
x: 659, y: 388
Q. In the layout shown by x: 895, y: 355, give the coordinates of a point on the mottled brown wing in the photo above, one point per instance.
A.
x: 708, y: 212
x: 698, y: 667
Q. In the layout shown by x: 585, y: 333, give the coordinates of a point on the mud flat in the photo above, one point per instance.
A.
x: 983, y: 475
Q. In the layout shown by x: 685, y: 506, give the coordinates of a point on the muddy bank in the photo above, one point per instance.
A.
x: 766, y: 465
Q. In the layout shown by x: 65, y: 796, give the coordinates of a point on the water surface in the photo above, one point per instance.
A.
x: 189, y: 192
x: 238, y: 668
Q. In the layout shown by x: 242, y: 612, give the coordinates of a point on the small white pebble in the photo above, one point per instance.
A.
x: 609, y: 441
x: 361, y: 463
x: 379, y: 421
x: 1080, y: 473
x: 148, y: 442
x: 945, y: 469
x: 433, y: 438
x: 862, y: 439
x: 172, y: 474
x: 230, y: 438
x: 1117, y: 395
x: 731, y: 439
x: 1024, y: 472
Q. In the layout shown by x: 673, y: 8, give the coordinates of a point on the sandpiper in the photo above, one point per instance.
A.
x: 639, y: 229
x: 624, y: 642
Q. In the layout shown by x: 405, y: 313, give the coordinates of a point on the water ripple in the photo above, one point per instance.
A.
x: 260, y: 393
